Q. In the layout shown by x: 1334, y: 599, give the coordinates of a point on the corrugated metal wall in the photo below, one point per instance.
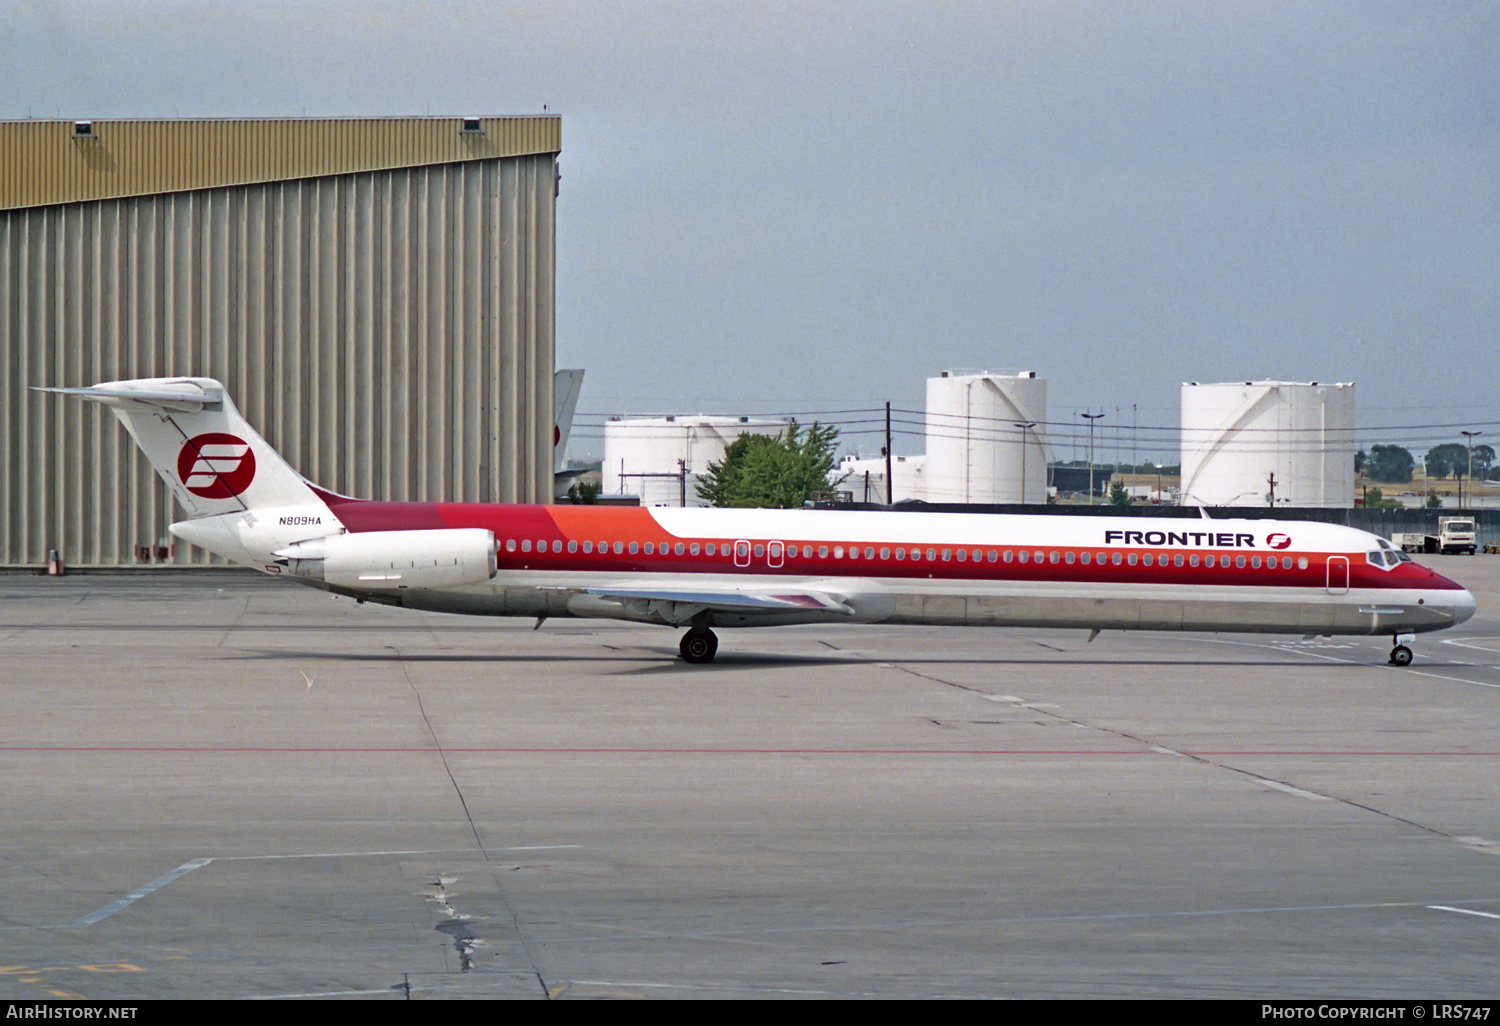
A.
x: 391, y: 333
x: 45, y: 162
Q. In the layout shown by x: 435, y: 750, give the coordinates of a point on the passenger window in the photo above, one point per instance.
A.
x: 1085, y: 558
x: 678, y: 548
x: 932, y: 554
x: 1239, y: 561
x: 1053, y: 557
x: 1133, y: 558
x: 869, y: 552
x: 900, y: 553
x: 709, y: 549
x: 526, y: 545
x: 993, y: 555
x: 885, y: 552
x: 1006, y: 556
x: 572, y: 545
x: 1024, y: 556
x: 963, y: 555
x: 760, y: 550
x: 1208, y: 560
x: 588, y: 546
x: 693, y: 549
x: 1177, y: 559
x: 946, y: 555
x: 634, y: 548
x: 1116, y: 559
x: 1146, y: 559
x: 619, y: 547
x: 510, y: 545
x: 1301, y: 562
x: 557, y: 546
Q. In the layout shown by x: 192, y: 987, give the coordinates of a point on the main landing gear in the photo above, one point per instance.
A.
x: 699, y: 645
x: 1400, y: 655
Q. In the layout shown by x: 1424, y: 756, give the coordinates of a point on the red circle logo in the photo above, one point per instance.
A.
x: 1278, y: 541
x: 215, y: 465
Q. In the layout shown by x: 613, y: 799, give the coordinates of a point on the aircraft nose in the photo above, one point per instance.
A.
x: 1463, y: 606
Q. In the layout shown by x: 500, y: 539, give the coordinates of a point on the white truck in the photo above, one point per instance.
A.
x: 1454, y: 534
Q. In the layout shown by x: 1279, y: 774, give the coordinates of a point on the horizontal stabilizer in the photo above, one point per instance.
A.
x: 189, y: 398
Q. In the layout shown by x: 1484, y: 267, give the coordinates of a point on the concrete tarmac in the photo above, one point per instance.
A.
x: 218, y: 785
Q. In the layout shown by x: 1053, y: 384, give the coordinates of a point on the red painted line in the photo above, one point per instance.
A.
x: 146, y: 750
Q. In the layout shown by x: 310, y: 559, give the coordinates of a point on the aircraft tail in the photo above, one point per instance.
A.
x: 210, y: 458
x: 566, y: 384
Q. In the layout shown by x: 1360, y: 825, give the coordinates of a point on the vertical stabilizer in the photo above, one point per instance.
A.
x: 566, y: 384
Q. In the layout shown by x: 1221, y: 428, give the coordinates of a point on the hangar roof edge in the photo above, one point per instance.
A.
x: 46, y: 162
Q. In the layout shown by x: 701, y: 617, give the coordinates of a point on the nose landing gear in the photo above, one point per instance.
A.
x: 1401, y: 655
x: 700, y: 645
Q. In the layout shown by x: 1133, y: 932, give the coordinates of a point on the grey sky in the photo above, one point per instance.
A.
x: 784, y: 206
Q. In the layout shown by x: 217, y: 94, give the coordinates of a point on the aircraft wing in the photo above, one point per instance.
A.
x: 679, y: 604
x: 732, y: 600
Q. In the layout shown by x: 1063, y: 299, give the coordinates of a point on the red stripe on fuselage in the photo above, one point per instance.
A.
x: 605, y: 525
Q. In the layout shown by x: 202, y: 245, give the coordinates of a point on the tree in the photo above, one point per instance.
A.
x: 1484, y: 461
x: 1434, y: 500
x: 584, y: 493
x: 1447, y: 460
x: 1118, y: 496
x: 781, y: 472
x: 1389, y: 463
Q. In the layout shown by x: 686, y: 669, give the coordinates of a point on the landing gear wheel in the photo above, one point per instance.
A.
x: 1400, y: 656
x: 699, y: 645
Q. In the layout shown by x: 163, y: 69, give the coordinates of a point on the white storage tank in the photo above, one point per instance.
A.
x: 986, y: 437
x: 863, y: 477
x: 1254, y: 442
x: 647, y: 456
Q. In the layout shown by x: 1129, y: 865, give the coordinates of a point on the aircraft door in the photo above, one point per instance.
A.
x: 741, y: 553
x: 775, y: 552
x: 1338, y: 575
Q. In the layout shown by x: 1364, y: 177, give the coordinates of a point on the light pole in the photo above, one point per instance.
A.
x: 1470, y: 436
x: 1091, y: 418
x: 1024, y: 426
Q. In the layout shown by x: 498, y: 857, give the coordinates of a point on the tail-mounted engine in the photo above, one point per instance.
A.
x: 389, y: 560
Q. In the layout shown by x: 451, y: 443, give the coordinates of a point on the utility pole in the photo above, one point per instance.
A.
x: 890, y: 482
x: 1023, y: 425
x: 1271, y: 482
x: 1469, y: 435
x: 1091, y: 418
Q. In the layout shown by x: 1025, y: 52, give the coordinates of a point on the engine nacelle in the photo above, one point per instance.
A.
x: 388, y: 560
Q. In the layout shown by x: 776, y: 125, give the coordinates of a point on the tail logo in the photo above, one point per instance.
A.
x: 216, y: 465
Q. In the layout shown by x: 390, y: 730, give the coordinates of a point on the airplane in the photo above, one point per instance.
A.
x: 702, y: 569
x: 566, y: 385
